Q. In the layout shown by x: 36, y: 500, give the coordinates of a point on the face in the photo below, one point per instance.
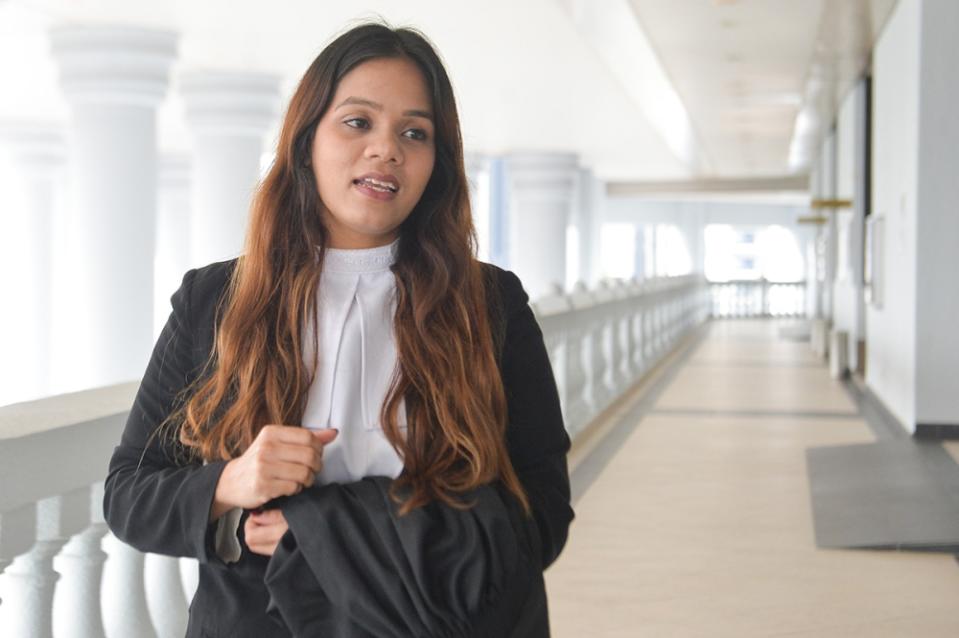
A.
x: 373, y: 152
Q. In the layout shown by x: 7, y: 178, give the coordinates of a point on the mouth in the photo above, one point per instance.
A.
x: 378, y: 183
x: 376, y: 189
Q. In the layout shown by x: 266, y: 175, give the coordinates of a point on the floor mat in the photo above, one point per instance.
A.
x: 900, y: 494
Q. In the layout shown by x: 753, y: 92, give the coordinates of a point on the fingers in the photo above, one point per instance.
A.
x: 287, y: 471
x: 307, y: 456
x: 267, y: 517
x: 262, y: 538
x: 326, y: 435
x: 297, y: 435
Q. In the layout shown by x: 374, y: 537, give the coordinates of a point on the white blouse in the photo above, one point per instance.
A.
x: 355, y: 304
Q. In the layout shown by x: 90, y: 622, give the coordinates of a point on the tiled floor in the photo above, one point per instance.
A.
x: 701, y: 524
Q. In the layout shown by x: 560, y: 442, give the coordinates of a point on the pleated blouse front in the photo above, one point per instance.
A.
x: 355, y: 304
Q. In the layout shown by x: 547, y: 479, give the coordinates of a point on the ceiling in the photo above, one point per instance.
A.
x: 747, y: 69
x: 641, y: 90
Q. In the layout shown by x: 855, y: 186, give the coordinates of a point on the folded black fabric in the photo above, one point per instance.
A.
x: 351, y: 567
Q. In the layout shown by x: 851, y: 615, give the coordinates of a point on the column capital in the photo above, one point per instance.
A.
x: 551, y: 175
x: 104, y: 63
x: 230, y: 102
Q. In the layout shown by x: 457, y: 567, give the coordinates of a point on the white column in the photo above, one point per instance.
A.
x: 38, y: 154
x: 172, y: 257
x: 228, y: 114
x: 113, y: 77
x: 639, y: 259
x: 588, y: 219
x: 541, y: 193
x: 478, y: 175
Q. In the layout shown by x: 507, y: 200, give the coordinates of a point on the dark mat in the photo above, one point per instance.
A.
x: 899, y: 494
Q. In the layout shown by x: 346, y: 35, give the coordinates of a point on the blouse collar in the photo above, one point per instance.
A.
x: 361, y: 260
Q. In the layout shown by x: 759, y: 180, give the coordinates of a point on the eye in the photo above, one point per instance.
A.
x: 417, y: 134
x: 362, y: 123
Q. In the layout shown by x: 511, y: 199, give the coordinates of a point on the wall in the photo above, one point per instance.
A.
x: 937, y: 231
x: 891, y: 329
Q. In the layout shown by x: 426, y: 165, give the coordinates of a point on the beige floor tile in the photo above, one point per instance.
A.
x: 702, y: 526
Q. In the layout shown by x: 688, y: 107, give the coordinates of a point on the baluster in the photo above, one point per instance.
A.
x: 629, y: 351
x: 18, y: 533
x: 31, y: 579
x: 637, y: 327
x: 578, y: 386
x: 602, y: 358
x: 77, y: 610
x: 557, y: 356
x: 125, y: 611
x: 189, y: 577
x: 164, y: 593
x: 623, y: 354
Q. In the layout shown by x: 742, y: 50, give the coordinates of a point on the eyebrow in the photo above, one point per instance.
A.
x: 379, y: 107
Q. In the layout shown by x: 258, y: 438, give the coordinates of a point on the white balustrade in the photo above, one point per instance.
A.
x: 602, y: 341
x: 758, y: 298
x: 53, y: 566
x: 165, y: 599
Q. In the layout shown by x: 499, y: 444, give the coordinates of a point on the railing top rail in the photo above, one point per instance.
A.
x: 63, y: 410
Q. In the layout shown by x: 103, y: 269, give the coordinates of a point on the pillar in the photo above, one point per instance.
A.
x: 478, y: 175
x: 113, y: 77
x: 541, y: 186
x: 38, y: 155
x: 228, y: 114
x: 172, y: 233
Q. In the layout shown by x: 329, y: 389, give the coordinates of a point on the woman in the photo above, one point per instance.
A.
x: 426, y: 488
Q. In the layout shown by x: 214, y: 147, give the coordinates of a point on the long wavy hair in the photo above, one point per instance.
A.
x: 447, y: 364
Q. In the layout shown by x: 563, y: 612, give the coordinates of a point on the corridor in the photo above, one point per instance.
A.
x: 694, y: 517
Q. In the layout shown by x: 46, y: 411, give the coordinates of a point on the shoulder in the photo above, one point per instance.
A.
x: 212, y: 279
x: 196, y: 302
x: 203, y: 286
x: 507, y: 286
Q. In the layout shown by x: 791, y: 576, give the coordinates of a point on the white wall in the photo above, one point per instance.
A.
x: 891, y: 330
x: 848, y: 310
x: 937, y: 231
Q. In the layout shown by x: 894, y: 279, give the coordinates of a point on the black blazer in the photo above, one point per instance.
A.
x: 159, y: 503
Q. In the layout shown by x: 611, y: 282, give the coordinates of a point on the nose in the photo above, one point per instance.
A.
x: 384, y: 147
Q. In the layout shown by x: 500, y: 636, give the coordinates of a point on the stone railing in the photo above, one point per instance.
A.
x: 602, y: 341
x: 56, y: 578
x: 64, y: 574
x: 758, y: 298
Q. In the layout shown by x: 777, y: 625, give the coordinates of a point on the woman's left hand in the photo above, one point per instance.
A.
x: 263, y: 530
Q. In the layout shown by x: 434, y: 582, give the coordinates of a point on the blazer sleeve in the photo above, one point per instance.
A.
x: 536, y: 436
x: 153, y: 500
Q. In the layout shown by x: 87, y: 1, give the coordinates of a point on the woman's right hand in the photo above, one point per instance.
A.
x: 281, y: 461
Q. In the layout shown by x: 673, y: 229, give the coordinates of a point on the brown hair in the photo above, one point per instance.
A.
x: 447, y: 371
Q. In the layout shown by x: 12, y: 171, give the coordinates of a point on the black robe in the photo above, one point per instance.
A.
x: 349, y: 566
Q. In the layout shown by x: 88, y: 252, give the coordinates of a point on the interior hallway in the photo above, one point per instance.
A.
x: 694, y: 515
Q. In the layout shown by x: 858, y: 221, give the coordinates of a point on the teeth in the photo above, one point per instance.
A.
x: 378, y: 185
